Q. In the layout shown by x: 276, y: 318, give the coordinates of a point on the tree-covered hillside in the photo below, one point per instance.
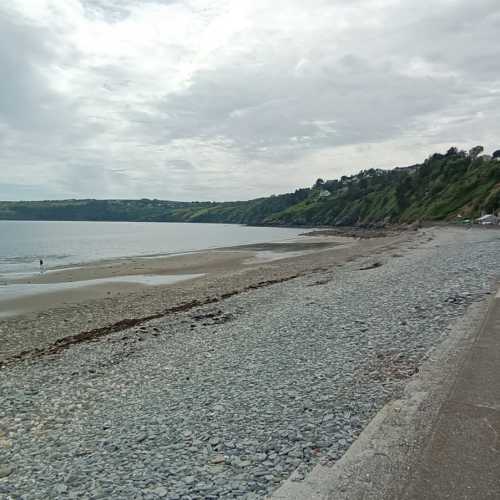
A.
x: 441, y: 188
x: 98, y: 210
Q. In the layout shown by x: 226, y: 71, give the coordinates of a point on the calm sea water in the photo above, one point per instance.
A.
x: 23, y: 243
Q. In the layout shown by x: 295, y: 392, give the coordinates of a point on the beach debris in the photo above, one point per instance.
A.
x: 393, y: 366
x: 214, y: 317
x: 374, y: 265
x: 323, y: 281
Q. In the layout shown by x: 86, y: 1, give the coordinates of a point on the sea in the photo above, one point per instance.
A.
x: 67, y: 244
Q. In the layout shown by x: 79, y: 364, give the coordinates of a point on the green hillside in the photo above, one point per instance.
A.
x: 442, y: 187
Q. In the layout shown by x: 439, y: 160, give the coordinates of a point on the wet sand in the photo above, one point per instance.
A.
x: 22, y: 298
x: 192, y: 263
x: 105, y: 279
x: 202, y: 262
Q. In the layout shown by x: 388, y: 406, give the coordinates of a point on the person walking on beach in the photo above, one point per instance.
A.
x: 41, y: 266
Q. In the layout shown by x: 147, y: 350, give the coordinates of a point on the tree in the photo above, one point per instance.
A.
x: 452, y: 151
x: 403, y: 192
x: 496, y: 154
x: 319, y: 184
x: 476, y: 151
x: 438, y: 156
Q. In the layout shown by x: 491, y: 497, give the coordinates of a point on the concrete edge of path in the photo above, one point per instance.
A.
x: 378, y: 464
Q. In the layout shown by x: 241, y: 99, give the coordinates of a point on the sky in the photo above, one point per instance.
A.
x: 236, y: 99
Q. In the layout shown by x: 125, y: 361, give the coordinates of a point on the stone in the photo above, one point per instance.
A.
x: 141, y: 438
x: 296, y: 453
x: 218, y: 459
x: 160, y: 491
x: 6, y: 470
x: 60, y: 488
x: 237, y: 462
x: 297, y: 475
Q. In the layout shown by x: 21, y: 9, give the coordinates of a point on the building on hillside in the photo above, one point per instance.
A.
x: 488, y: 219
x: 324, y: 193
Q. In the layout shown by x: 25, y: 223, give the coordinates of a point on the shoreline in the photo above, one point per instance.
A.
x: 113, y: 277
x: 225, y: 271
x: 159, y: 263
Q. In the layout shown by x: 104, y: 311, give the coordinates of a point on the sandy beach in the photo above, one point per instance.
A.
x: 62, y: 311
x: 112, y: 278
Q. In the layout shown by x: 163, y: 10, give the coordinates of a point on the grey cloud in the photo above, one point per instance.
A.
x: 110, y: 10
x: 367, y: 99
x: 364, y: 101
x: 25, y: 99
x: 248, y: 122
x: 116, y: 10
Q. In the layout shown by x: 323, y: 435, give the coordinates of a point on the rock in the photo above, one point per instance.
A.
x: 355, y: 422
x: 141, y: 438
x: 237, y: 462
x: 215, y: 469
x: 202, y: 487
x: 160, y: 491
x: 296, y: 453
x: 218, y: 459
x: 6, y: 470
x: 297, y: 475
x: 60, y: 489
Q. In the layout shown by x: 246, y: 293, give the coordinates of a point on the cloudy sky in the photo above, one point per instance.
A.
x: 233, y: 99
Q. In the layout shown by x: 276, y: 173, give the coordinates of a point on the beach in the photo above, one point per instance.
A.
x: 203, y: 276
x: 110, y: 278
x: 270, y: 362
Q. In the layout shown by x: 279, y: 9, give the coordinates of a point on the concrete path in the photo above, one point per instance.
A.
x: 462, y: 459
x: 441, y: 440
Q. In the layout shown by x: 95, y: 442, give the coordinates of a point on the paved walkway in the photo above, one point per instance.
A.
x: 462, y: 459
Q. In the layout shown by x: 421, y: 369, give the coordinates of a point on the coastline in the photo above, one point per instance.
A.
x: 114, y: 277
x: 42, y: 320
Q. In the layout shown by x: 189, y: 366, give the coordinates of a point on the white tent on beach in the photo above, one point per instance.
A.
x: 488, y: 219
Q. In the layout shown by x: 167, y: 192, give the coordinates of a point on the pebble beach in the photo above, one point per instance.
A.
x: 268, y: 372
